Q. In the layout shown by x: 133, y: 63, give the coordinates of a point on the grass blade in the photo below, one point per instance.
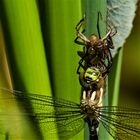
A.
x: 20, y: 20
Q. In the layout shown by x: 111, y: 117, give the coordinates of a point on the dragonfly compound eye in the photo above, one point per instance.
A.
x: 92, y: 74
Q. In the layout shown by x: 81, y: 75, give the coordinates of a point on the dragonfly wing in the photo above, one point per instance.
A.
x: 121, y: 123
x: 40, y: 102
x: 66, y: 127
x: 121, y: 14
x: 53, y: 115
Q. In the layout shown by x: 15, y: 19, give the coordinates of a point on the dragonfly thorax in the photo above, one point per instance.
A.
x: 90, y: 102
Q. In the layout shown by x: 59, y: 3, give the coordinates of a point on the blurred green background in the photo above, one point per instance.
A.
x: 130, y: 76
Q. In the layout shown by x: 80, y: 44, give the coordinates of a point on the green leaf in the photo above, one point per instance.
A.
x: 25, y: 48
x: 60, y: 18
x: 41, y: 51
x: 114, y: 79
x: 92, y: 9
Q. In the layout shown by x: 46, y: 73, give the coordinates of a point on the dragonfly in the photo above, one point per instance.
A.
x: 96, y: 60
x: 70, y: 118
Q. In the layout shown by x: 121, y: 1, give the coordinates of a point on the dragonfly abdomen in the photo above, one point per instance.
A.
x: 93, y: 125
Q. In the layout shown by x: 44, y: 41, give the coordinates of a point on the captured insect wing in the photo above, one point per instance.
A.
x: 120, y: 15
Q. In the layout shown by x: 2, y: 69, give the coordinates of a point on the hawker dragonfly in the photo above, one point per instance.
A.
x: 69, y: 117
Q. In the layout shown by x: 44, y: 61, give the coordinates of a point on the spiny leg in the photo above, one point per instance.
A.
x: 79, y: 42
x: 98, y: 29
x: 80, y: 65
x: 79, y: 34
x: 80, y: 23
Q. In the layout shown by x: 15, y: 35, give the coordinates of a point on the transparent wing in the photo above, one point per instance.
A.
x: 53, y: 114
x: 121, y: 123
x: 67, y: 127
x: 121, y: 13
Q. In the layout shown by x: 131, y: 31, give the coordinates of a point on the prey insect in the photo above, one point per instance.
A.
x: 97, y: 49
x: 96, y: 59
x: 70, y: 118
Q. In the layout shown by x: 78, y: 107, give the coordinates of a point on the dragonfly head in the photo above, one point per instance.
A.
x: 92, y: 74
x: 91, y: 79
x: 91, y: 101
